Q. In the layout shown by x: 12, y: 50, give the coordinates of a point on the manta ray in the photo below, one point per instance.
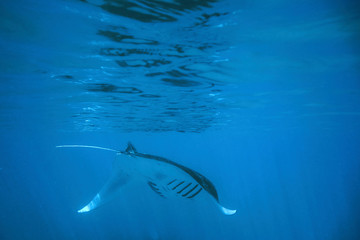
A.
x: 164, y: 177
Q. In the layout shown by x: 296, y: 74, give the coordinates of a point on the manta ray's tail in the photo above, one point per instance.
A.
x: 86, y: 146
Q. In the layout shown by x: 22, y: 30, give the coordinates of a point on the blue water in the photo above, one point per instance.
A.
x: 261, y: 97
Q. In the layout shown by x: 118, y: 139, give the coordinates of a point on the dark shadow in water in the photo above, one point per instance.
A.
x: 180, y: 82
x: 149, y: 96
x: 205, y: 18
x: 151, y: 10
x: 172, y: 51
x: 143, y: 63
x: 123, y: 38
x: 110, y: 88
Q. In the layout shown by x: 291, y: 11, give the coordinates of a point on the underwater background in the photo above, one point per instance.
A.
x: 261, y: 97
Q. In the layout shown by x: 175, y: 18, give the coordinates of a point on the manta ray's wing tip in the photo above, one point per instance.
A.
x: 92, y: 205
x: 227, y: 211
x: 84, y: 209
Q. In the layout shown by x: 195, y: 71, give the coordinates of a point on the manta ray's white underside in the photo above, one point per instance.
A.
x: 165, y: 178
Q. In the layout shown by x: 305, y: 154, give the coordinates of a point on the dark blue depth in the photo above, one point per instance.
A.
x: 261, y: 97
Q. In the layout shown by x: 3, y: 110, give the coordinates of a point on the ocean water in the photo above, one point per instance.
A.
x: 261, y: 97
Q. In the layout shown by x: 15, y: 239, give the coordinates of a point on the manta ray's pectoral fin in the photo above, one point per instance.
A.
x: 108, y: 191
x: 226, y: 211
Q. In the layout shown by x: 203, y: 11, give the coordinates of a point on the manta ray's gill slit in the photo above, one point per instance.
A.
x: 195, y: 193
x: 153, y: 186
x: 184, y: 188
x: 178, y: 185
x: 185, y: 194
x: 171, y: 182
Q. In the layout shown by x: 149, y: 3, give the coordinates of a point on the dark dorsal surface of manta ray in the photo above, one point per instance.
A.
x: 166, y: 178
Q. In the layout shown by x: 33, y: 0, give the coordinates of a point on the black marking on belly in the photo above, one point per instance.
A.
x: 195, y: 193
x: 184, y: 188
x: 185, y: 194
x: 154, y: 187
x: 171, y: 182
x: 202, y: 180
x: 178, y: 185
